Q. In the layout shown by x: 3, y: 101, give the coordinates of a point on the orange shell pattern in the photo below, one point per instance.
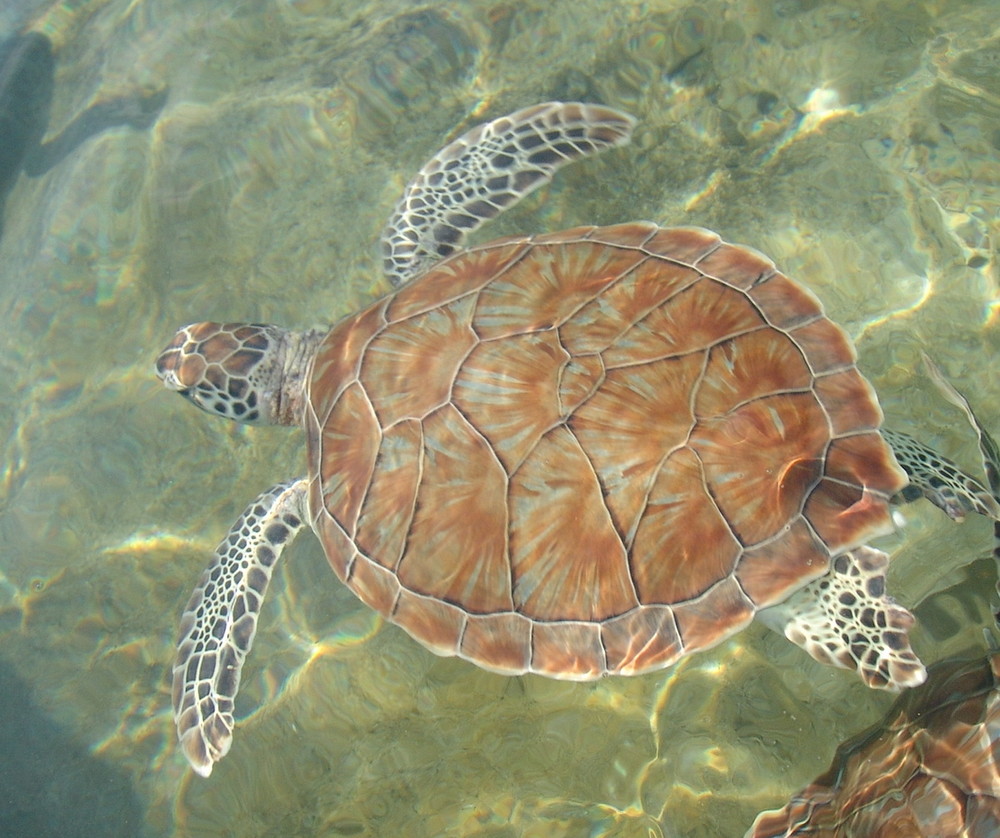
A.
x: 932, y: 768
x: 593, y: 451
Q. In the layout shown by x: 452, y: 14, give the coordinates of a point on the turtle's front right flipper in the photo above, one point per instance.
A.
x: 487, y: 170
x: 220, y: 620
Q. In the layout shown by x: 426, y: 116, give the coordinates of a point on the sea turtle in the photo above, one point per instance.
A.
x: 932, y: 766
x: 574, y: 454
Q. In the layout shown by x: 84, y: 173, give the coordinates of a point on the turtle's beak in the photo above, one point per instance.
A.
x: 175, y: 365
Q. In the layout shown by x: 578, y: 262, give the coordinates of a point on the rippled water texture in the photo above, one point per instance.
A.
x: 179, y: 161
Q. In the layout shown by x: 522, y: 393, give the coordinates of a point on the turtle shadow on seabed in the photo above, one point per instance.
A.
x: 27, y: 65
x: 49, y: 784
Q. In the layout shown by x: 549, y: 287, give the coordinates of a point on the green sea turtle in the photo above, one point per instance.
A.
x: 931, y: 769
x: 932, y: 766
x: 574, y: 454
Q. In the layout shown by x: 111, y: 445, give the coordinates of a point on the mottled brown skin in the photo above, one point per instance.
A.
x: 932, y: 768
x: 234, y: 369
x: 591, y: 452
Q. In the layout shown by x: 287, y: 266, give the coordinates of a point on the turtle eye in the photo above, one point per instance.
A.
x: 207, y: 398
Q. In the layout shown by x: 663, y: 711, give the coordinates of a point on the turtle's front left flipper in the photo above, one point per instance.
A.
x: 487, y: 170
x: 220, y: 620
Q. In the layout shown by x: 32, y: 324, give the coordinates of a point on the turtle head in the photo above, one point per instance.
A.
x: 249, y: 372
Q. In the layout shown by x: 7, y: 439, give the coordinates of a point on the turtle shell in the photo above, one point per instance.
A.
x: 593, y: 451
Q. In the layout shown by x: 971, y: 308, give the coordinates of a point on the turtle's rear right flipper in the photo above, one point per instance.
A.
x: 988, y: 450
x: 938, y: 479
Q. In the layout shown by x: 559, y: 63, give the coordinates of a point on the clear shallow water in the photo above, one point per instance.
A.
x: 242, y: 170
